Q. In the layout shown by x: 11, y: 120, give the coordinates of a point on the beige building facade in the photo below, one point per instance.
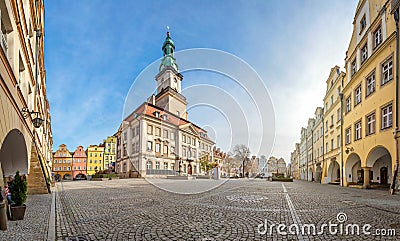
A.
x: 332, y: 127
x: 25, y: 133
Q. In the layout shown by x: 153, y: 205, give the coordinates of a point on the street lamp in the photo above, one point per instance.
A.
x: 37, y: 121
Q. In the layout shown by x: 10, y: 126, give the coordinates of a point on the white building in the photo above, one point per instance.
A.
x: 157, y: 138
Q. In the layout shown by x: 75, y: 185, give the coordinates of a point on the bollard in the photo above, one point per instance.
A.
x: 3, y: 216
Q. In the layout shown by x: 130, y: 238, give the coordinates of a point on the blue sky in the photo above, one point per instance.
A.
x: 94, y: 50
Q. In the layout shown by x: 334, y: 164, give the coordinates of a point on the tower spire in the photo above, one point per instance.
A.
x: 168, y: 49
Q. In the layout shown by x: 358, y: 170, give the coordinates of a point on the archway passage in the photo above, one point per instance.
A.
x: 353, y: 172
x: 380, y: 162
x: 13, y: 154
x: 333, y: 172
x: 318, y: 173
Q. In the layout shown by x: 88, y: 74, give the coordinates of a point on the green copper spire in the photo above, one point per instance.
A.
x: 168, y: 49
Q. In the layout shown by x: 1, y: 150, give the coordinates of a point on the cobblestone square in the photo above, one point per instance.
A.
x: 133, y: 209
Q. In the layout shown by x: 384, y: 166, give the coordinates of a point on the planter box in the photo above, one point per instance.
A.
x: 18, y: 212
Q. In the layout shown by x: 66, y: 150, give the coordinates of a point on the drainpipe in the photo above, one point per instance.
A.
x: 312, y: 153
x: 323, y: 143
x: 341, y: 138
x: 306, y: 156
x: 396, y: 166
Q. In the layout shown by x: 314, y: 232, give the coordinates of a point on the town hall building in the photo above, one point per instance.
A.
x: 157, y: 139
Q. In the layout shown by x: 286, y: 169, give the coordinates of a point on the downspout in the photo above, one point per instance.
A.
x: 312, y: 154
x: 396, y: 167
x: 341, y: 138
x: 323, y: 145
x: 306, y: 156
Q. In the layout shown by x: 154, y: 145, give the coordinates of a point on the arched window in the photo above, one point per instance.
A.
x: 149, y: 165
x: 157, y: 165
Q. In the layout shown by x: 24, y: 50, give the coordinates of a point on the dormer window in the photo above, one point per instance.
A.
x: 164, y: 117
x: 156, y: 114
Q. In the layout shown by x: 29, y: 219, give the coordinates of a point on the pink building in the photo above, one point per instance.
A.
x: 79, y: 162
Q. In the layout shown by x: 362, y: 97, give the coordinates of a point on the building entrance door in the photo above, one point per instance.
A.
x: 189, y: 169
x: 384, y: 177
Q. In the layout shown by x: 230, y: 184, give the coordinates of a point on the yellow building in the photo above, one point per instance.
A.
x: 331, y: 172
x: 110, y: 152
x: 95, y: 159
x: 369, y: 96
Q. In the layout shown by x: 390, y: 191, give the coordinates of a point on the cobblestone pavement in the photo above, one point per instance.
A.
x: 35, y: 223
x: 132, y: 209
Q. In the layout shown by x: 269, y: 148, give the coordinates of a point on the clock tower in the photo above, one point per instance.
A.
x: 169, y: 80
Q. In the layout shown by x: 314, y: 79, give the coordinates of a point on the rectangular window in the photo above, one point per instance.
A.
x: 339, y: 115
x: 331, y: 100
x: 332, y: 145
x: 357, y: 131
x: 332, y: 120
x: 370, y: 119
x: 165, y: 149
x: 158, y: 131
x: 387, y: 116
x: 370, y: 84
x: 172, y: 135
x: 348, y: 135
x: 149, y: 145
x: 165, y: 165
x: 326, y: 148
x: 353, y: 67
x: 339, y: 141
x: 188, y: 140
x: 150, y: 130
x: 326, y: 126
x: 158, y: 147
x: 387, y: 71
x: 165, y: 134
x: 363, y: 23
x: 377, y: 37
x: 183, y: 138
x: 364, y: 53
x: 348, y: 104
x: 357, y: 95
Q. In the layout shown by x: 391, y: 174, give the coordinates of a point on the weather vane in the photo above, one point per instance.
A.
x: 167, y: 27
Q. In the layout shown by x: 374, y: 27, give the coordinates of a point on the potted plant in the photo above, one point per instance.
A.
x: 18, y: 197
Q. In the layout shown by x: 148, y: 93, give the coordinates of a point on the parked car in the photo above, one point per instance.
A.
x: 80, y: 177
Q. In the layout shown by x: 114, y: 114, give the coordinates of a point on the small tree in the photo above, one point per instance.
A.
x: 18, y: 190
x: 242, y: 153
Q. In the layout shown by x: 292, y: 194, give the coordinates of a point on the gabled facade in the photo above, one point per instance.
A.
x: 110, y: 152
x: 79, y: 162
x: 62, y: 163
x: 95, y: 159
x: 318, y: 143
x: 332, y: 127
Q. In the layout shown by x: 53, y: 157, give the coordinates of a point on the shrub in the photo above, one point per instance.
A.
x: 18, y: 190
x: 282, y: 179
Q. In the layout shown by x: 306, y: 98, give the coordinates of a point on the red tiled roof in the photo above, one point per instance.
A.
x: 148, y: 109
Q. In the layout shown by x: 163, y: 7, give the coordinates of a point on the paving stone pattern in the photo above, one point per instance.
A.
x: 132, y: 209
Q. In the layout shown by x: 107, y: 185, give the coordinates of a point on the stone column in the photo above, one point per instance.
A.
x: 366, y: 177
